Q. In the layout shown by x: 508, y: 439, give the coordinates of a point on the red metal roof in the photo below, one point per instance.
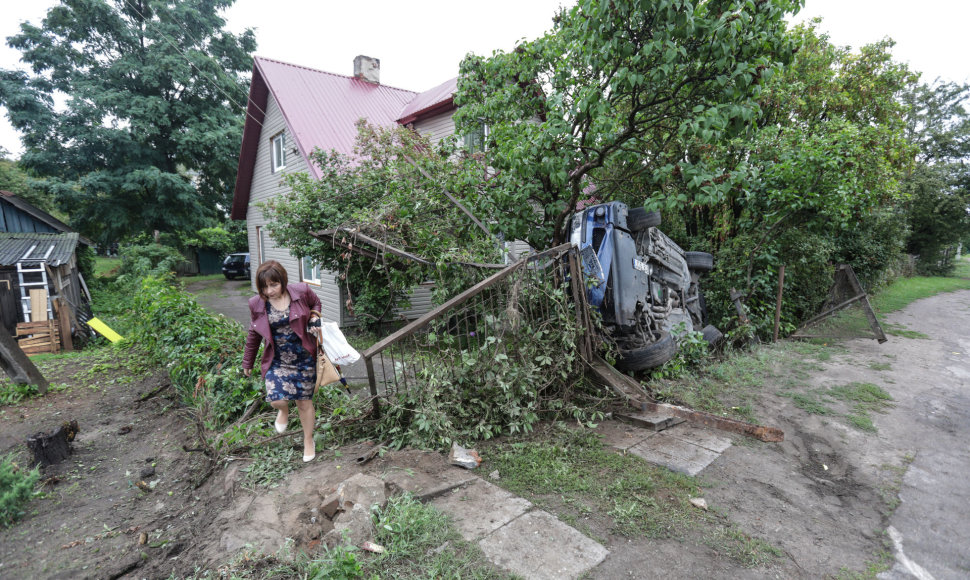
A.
x: 320, y: 110
x: 431, y: 101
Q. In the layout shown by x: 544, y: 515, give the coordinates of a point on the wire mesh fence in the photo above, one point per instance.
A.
x: 515, y: 320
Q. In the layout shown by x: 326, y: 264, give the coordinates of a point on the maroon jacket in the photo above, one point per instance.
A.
x: 302, y: 301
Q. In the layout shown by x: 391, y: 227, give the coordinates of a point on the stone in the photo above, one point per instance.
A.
x: 353, y: 527
x: 361, y: 489
x: 481, y: 508
x: 524, y: 546
x: 467, y: 458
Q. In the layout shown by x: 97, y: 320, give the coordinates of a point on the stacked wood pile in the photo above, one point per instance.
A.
x: 42, y: 334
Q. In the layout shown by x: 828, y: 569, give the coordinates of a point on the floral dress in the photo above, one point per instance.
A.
x: 293, y: 372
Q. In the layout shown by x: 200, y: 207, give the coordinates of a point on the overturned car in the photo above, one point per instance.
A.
x: 645, y: 287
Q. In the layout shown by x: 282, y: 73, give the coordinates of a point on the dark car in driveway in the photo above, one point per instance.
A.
x: 645, y: 287
x: 236, y: 265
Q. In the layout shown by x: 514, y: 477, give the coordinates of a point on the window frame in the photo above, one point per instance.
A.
x: 277, y: 152
x: 314, y: 269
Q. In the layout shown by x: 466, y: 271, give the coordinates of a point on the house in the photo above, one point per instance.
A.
x: 36, y: 251
x: 293, y: 110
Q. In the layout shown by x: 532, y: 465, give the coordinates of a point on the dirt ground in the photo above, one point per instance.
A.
x: 825, y: 496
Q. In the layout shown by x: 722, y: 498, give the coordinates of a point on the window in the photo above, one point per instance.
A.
x: 279, y: 151
x: 309, y: 271
x: 474, y: 140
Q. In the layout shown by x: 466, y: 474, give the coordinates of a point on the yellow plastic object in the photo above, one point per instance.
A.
x: 103, y: 330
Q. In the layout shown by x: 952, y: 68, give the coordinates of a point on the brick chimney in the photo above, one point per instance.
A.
x: 367, y: 69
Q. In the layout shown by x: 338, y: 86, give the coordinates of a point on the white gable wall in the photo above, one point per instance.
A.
x: 266, y: 185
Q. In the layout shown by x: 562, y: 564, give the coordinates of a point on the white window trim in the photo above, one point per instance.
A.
x: 259, y: 246
x: 278, y: 151
x: 309, y: 277
x: 484, y: 144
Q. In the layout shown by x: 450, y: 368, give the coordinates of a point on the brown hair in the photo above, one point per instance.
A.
x: 268, y: 272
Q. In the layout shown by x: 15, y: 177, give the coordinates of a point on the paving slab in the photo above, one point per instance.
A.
x: 537, y: 546
x: 425, y: 486
x: 699, y: 436
x: 622, y: 435
x: 675, y: 454
x: 481, y: 508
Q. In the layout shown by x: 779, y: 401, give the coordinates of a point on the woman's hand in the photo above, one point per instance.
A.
x: 247, y: 372
x: 315, y: 324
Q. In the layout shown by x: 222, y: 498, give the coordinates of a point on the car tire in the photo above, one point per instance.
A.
x: 228, y: 277
x: 653, y: 355
x: 712, y: 335
x: 640, y: 219
x: 699, y: 261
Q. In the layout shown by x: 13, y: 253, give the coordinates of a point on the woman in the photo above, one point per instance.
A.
x: 280, y: 315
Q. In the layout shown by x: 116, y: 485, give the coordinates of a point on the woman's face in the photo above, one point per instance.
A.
x: 273, y: 290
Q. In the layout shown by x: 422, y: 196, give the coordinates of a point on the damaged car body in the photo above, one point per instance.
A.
x: 645, y: 287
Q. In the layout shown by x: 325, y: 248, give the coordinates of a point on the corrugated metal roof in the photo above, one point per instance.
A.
x: 321, y: 108
x: 56, y: 249
x: 431, y: 99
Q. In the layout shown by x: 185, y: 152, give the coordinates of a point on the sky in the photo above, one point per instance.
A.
x: 421, y: 42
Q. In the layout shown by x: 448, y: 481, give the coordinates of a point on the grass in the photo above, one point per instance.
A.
x: 601, y: 492
x: 420, y: 542
x: 905, y: 291
x: 104, y: 266
x: 270, y: 465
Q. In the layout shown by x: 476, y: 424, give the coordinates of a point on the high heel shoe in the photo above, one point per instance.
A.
x: 309, y: 458
x: 280, y: 427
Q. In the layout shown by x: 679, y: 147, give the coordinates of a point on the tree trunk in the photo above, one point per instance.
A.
x: 54, y: 448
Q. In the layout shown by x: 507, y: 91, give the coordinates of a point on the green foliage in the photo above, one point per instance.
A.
x: 270, y: 465
x: 614, y: 94
x: 486, y: 382
x: 149, y: 259
x: 383, y: 192
x: 938, y: 122
x: 691, y: 350
x: 12, y: 393
x: 16, y: 490
x: 202, y: 351
x: 226, y: 239
x: 14, y: 178
x: 149, y: 134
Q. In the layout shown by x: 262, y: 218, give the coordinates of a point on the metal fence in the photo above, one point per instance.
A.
x: 483, y: 323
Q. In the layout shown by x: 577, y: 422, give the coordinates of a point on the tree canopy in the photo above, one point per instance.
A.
x: 617, y: 84
x: 153, y: 90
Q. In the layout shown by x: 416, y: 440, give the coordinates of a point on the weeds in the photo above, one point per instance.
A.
x: 270, y: 465
x: 571, y: 473
x: 420, y: 542
x: 16, y: 490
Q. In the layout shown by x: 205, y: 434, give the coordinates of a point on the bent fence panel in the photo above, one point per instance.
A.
x: 486, y: 324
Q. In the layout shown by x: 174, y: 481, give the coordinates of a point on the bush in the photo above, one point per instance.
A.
x: 149, y: 259
x: 16, y: 490
x: 202, y: 351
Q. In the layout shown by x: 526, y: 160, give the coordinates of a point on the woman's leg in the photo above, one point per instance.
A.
x: 283, y: 407
x: 307, y: 420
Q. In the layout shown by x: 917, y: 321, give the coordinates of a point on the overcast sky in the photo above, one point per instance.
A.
x: 421, y: 42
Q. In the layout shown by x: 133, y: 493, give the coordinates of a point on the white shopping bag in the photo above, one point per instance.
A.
x: 336, y: 346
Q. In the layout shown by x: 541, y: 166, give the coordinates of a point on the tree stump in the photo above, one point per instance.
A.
x: 54, y: 448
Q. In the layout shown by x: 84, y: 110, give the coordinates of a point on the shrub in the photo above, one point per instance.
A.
x: 16, y: 490
x: 203, y: 351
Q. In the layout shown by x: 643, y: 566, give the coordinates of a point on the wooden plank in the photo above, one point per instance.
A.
x: 38, y: 304
x: 33, y: 327
x: 63, y: 311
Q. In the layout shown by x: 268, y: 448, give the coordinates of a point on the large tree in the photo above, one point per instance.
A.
x: 622, y: 84
x: 938, y: 123
x: 153, y: 94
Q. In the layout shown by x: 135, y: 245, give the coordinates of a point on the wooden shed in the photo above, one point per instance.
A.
x: 37, y: 252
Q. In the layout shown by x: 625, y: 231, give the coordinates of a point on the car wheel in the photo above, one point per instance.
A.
x: 699, y: 261
x: 228, y: 277
x: 712, y: 335
x: 653, y: 355
x: 640, y: 219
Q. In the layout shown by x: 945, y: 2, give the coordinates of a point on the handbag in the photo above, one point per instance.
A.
x: 326, y: 372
